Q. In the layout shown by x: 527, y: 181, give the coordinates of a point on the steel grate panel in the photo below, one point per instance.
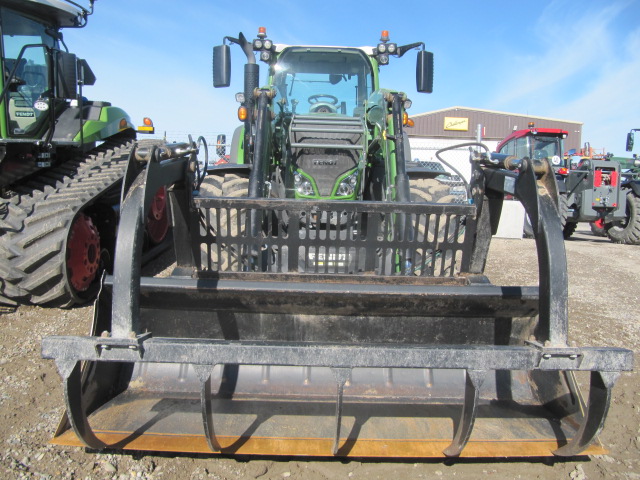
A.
x: 333, y: 237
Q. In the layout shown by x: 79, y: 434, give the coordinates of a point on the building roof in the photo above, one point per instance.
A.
x: 496, y: 112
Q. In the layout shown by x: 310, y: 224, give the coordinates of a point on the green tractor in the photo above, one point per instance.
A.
x: 62, y: 162
x: 322, y: 128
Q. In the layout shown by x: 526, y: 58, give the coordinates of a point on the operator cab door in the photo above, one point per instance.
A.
x: 23, y: 108
x: 519, y: 147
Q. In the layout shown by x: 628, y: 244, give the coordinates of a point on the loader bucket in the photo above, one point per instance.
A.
x: 280, y: 333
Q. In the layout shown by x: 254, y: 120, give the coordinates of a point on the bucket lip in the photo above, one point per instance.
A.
x: 313, y: 447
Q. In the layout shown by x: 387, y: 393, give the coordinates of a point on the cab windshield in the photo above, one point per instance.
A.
x: 546, y: 147
x: 322, y: 80
x: 31, y: 77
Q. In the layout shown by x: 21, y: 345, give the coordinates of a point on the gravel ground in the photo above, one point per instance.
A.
x: 604, y: 310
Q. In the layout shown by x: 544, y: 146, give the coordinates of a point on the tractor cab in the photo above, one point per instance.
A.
x: 327, y: 118
x: 26, y: 65
x: 537, y: 144
x: 38, y: 74
x: 40, y: 98
x: 322, y: 80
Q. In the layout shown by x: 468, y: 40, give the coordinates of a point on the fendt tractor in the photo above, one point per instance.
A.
x: 63, y: 159
x: 594, y: 191
x: 328, y: 295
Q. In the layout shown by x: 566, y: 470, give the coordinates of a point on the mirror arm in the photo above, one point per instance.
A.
x: 247, y: 47
x: 405, y: 48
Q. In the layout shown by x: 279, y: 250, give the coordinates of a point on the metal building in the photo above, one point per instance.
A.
x: 455, y: 124
x: 443, y: 128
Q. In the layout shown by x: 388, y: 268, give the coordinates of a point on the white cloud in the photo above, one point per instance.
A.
x: 586, y: 70
x: 611, y: 107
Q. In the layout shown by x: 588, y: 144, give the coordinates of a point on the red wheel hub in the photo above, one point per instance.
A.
x: 158, y: 220
x: 599, y: 223
x: 83, y: 253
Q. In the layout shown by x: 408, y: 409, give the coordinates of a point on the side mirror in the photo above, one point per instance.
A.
x: 629, y: 141
x: 85, y: 73
x: 221, y: 66
x: 66, y: 74
x: 424, y: 72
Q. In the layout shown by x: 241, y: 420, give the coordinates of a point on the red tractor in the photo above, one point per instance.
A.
x: 592, y: 192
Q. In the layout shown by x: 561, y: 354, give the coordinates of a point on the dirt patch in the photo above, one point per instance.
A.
x: 604, y: 310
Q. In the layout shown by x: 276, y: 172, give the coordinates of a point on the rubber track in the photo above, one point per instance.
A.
x: 35, y: 222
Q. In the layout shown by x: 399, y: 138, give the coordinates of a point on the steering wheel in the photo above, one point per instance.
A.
x: 313, y: 99
x: 539, y: 154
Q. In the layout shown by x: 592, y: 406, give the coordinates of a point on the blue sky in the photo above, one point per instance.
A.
x: 572, y: 60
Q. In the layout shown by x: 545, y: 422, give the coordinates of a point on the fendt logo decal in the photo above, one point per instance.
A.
x: 325, y: 162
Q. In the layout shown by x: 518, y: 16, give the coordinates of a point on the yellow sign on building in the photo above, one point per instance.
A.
x: 456, y: 123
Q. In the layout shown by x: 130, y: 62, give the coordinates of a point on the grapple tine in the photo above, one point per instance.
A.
x: 597, y: 408
x: 474, y: 381
x: 71, y: 373
x: 204, y: 375
x: 341, y: 375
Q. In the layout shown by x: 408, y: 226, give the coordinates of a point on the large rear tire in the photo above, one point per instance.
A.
x: 627, y: 231
x: 568, y: 227
x: 431, y: 190
x: 225, y: 185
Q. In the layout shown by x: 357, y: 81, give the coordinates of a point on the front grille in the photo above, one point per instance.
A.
x: 326, y: 147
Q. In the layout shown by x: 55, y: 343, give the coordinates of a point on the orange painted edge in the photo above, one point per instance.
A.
x: 312, y: 447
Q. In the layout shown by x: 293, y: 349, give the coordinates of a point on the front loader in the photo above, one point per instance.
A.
x: 328, y: 297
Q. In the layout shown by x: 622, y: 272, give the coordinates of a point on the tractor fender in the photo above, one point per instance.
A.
x: 634, y: 186
x: 562, y: 184
x: 229, y: 168
x: 237, y: 146
x: 102, y: 120
x: 417, y: 170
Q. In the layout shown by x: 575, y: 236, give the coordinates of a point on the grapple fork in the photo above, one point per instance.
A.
x: 327, y: 341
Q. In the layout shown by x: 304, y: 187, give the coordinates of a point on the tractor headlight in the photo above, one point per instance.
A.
x: 265, y: 56
x: 257, y: 44
x: 348, y: 186
x: 392, y: 48
x: 302, y: 185
x: 268, y: 44
x: 383, y: 59
x: 382, y: 48
x: 306, y: 188
x: 345, y: 190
